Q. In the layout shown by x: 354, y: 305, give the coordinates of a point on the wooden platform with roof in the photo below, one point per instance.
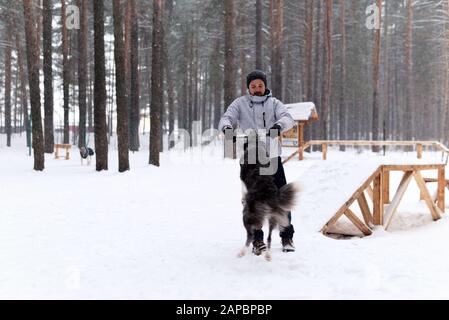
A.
x: 304, y: 114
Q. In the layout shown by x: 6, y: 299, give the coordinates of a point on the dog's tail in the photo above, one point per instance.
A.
x: 287, y: 195
x: 286, y: 202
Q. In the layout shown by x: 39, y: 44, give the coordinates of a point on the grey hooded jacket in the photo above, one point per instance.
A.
x: 260, y: 114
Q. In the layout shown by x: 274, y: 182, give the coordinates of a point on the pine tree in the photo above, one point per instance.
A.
x: 82, y: 71
x: 33, y: 78
x: 229, y: 69
x: 376, y: 62
x: 48, y: 75
x: 101, y: 128
x: 65, y: 71
x: 156, y: 83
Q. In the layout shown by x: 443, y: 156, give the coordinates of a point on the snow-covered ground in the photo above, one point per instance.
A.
x: 174, y: 232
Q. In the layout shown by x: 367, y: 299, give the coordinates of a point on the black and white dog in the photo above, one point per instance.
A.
x: 261, y: 198
x: 86, y: 153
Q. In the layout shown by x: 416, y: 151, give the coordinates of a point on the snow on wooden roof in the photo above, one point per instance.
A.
x: 303, y: 111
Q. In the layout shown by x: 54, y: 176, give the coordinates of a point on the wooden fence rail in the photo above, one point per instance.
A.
x: 302, y: 146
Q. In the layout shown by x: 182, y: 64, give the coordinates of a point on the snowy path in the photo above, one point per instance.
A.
x: 174, y: 232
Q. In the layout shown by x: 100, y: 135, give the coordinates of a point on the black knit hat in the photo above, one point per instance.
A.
x: 256, y: 74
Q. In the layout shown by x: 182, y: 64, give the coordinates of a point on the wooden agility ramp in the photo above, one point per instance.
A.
x: 376, y: 190
x: 353, y: 196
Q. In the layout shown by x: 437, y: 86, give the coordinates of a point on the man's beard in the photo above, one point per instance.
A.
x: 259, y: 94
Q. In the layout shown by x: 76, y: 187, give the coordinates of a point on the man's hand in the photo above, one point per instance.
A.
x: 226, y: 128
x: 228, y: 132
x: 276, y: 127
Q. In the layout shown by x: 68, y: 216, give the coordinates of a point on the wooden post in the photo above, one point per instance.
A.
x: 365, y: 209
x: 419, y: 150
x: 290, y: 157
x: 391, y: 209
x: 324, y: 151
x: 441, y: 186
x: 369, y: 191
x: 377, y: 200
x: 385, y: 186
x: 421, y: 195
x: 434, y: 210
x: 356, y: 221
x: 300, y: 140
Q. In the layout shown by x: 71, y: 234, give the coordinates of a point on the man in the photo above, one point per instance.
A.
x: 259, y: 110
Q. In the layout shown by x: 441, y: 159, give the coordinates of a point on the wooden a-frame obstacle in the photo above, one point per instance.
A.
x: 377, y: 187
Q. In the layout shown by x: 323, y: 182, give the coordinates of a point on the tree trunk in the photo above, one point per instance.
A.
x: 156, y: 83
x: 169, y: 72
x: 259, y: 35
x: 7, y: 60
x: 229, y: 69
x: 216, y: 80
x: 110, y: 69
x: 134, y: 77
x: 309, y: 50
x: 48, y: 75
x: 328, y: 68
x: 120, y: 83
x: 65, y: 70
x: 183, y: 113
x: 90, y: 105
x: 16, y: 94
x: 409, y: 108
x: 386, y: 112
x: 82, y: 71
x: 343, y: 110
x: 317, y: 73
x: 23, y: 88
x: 145, y: 88
x: 38, y: 26
x: 289, y: 83
x: 276, y: 65
x: 204, y: 90
x: 33, y: 78
x: 190, y: 102
x: 196, y: 114
x: 445, y: 125
x: 100, y: 125
x: 376, y: 61
x: 242, y: 54
x: 242, y: 59
x: 272, y: 35
x: 128, y: 24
